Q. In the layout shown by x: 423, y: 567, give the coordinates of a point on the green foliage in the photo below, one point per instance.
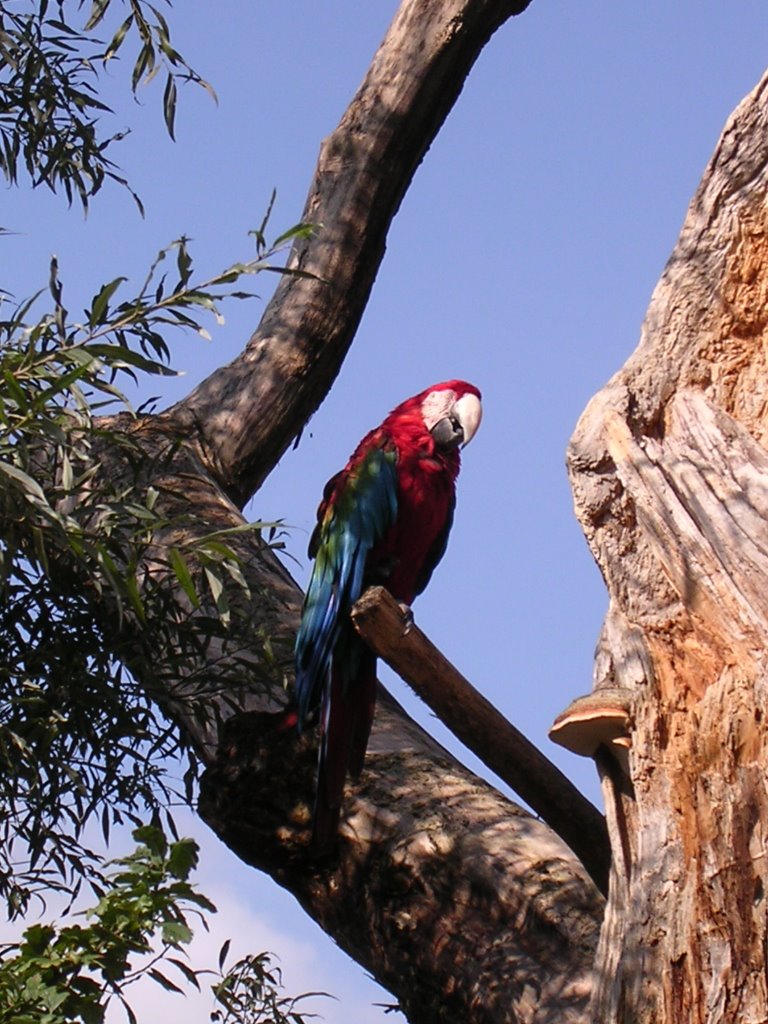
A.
x: 70, y: 973
x: 50, y: 110
x: 78, y: 736
x: 59, y: 974
x: 249, y: 993
x: 79, y: 516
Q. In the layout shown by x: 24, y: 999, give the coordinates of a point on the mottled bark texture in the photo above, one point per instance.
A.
x: 670, y: 477
x: 465, y: 906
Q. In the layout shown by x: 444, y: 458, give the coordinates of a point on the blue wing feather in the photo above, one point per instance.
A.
x: 356, y: 516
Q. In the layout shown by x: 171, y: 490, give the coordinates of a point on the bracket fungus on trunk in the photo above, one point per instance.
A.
x: 598, y: 719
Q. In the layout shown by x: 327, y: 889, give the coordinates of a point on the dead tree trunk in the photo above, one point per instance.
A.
x: 670, y: 476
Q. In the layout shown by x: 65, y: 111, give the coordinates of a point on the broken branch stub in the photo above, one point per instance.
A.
x: 500, y: 745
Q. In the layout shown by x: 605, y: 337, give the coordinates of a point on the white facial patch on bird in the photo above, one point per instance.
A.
x: 436, y: 406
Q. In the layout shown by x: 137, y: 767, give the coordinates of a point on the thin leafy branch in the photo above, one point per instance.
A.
x: 139, y: 928
x: 80, y: 740
x: 250, y: 993
x: 50, y: 111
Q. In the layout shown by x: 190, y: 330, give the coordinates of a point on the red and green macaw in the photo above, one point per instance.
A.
x: 384, y: 519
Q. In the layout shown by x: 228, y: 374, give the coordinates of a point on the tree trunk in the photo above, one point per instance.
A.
x: 670, y: 478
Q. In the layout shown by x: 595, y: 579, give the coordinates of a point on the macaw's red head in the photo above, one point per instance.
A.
x: 449, y: 412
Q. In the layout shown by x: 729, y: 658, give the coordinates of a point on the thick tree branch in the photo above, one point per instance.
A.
x: 461, y: 904
x: 458, y: 901
x: 246, y: 414
x: 487, y: 733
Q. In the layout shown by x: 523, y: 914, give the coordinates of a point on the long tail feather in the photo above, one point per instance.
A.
x: 332, y: 762
x: 346, y: 720
x: 364, y: 707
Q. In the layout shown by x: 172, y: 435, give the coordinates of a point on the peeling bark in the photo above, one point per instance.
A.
x: 670, y: 478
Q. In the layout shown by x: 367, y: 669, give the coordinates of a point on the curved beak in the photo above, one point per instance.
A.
x: 458, y: 422
x: 468, y: 410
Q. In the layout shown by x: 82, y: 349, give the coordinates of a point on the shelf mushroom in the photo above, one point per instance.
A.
x: 598, y: 719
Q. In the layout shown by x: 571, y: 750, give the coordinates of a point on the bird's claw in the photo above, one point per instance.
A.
x: 407, y: 617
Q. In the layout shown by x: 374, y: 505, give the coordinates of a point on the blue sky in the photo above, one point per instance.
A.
x: 522, y: 259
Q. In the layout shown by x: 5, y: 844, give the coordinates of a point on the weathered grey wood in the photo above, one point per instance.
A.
x: 670, y: 478
x: 504, y: 749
